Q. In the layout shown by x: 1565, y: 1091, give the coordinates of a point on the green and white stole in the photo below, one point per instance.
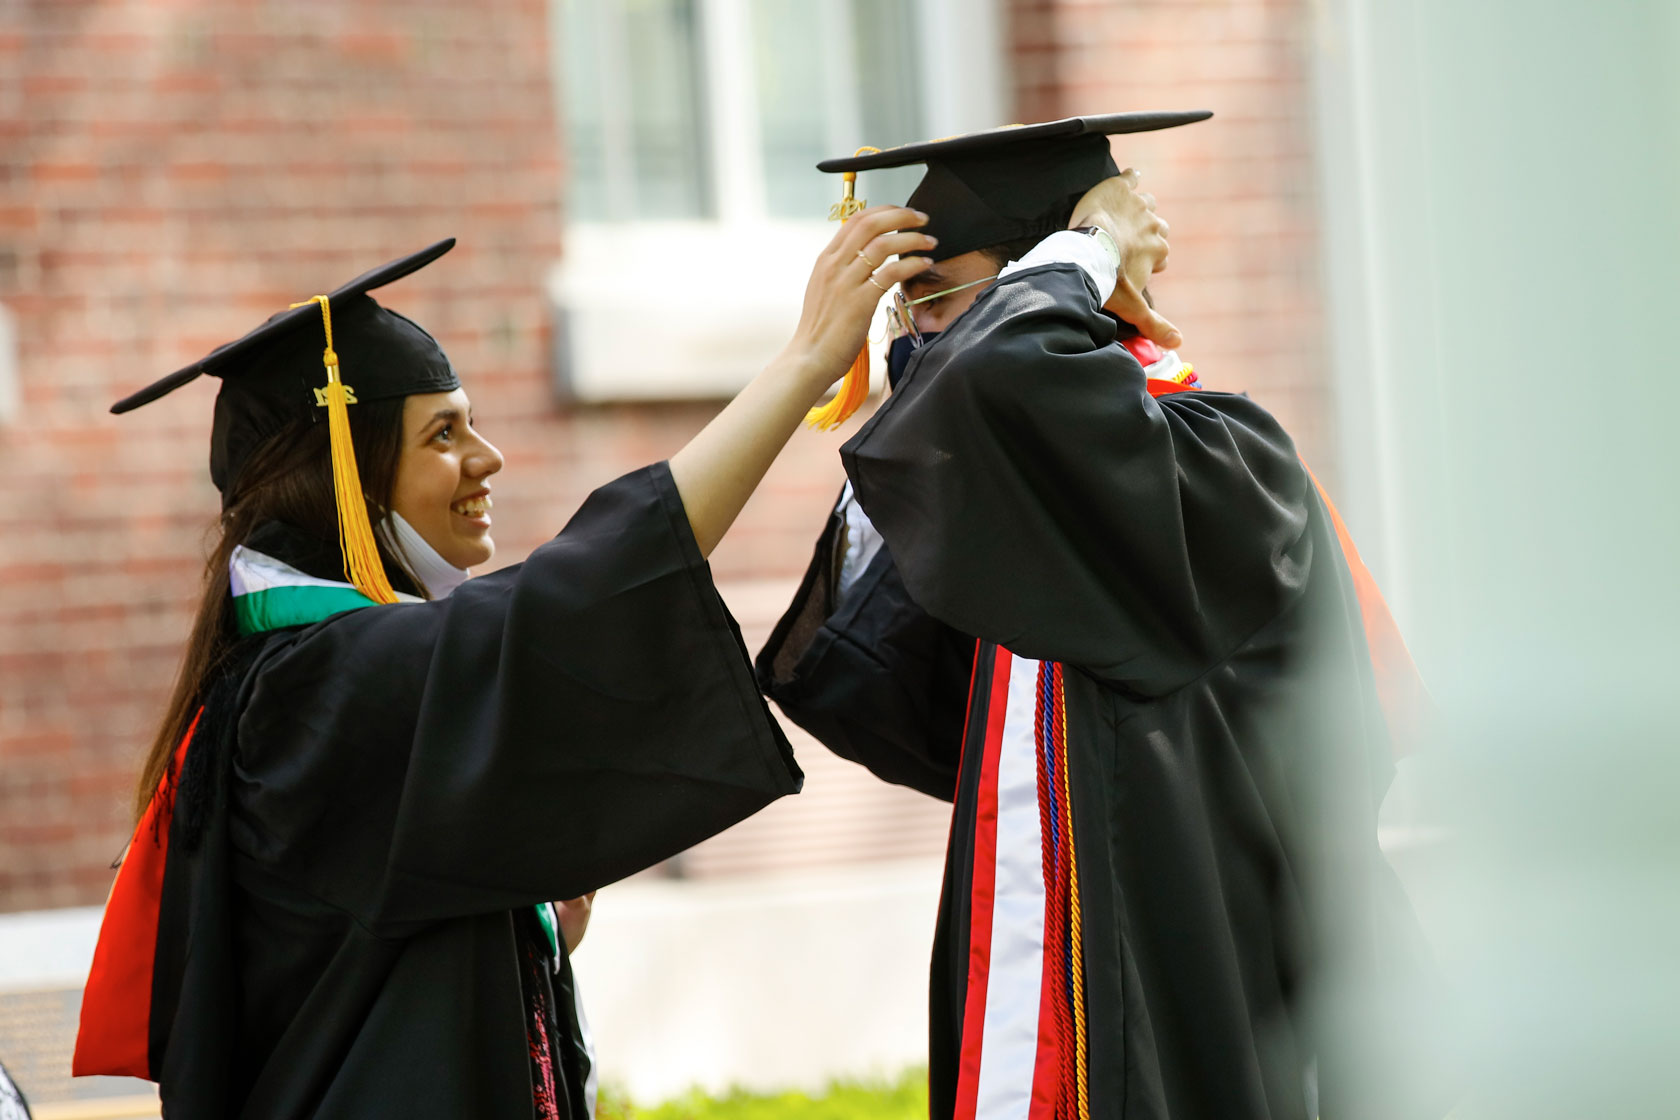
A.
x: 270, y: 594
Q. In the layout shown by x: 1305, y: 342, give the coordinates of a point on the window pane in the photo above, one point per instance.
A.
x: 795, y: 105
x: 635, y: 120
x: 889, y: 90
x: 831, y: 78
x: 668, y: 136
x: 581, y: 48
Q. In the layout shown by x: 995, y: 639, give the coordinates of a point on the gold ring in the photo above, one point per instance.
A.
x: 872, y: 265
x: 877, y: 283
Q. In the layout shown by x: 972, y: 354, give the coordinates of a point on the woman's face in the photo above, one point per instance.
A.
x: 443, y: 487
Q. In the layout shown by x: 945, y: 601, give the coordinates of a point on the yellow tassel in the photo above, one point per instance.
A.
x: 854, y: 387
x: 355, y: 535
x: 853, y: 391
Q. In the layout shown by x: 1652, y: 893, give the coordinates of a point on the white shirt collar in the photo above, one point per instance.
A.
x: 436, y: 575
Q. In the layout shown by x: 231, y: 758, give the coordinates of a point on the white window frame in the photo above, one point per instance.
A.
x: 668, y: 310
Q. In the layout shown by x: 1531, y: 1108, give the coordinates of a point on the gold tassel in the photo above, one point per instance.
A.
x: 854, y: 387
x: 355, y: 535
x: 853, y: 391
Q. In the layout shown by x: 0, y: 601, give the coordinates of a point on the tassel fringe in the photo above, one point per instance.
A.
x: 853, y: 391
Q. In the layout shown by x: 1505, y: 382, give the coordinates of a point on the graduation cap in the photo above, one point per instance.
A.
x: 986, y: 188
x: 289, y: 369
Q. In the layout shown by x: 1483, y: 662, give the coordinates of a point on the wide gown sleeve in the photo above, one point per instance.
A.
x: 876, y: 679
x: 547, y: 729
x: 1035, y: 494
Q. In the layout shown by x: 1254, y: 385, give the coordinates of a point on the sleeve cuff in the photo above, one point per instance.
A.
x: 862, y: 542
x: 1072, y: 247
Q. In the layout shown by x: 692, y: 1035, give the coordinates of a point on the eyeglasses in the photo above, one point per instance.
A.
x: 901, y: 322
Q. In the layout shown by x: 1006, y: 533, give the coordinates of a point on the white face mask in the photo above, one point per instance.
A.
x: 438, y: 576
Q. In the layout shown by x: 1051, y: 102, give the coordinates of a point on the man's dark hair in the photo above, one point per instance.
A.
x: 1005, y: 251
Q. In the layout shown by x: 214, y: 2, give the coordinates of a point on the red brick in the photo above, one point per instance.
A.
x: 389, y: 47
x: 200, y: 171
x: 48, y: 174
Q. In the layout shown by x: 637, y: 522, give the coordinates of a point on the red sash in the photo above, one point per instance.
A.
x: 115, y: 1033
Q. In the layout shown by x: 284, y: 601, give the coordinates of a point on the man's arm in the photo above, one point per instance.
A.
x: 1033, y: 492
x: 867, y: 672
x: 1139, y: 237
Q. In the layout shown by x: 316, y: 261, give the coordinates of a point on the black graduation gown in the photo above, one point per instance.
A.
x: 1226, y: 754
x: 349, y: 939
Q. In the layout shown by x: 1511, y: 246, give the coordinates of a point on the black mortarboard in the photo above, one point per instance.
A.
x: 272, y: 376
x: 985, y: 188
x: 318, y: 358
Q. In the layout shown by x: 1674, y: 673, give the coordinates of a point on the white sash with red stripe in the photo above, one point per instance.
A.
x: 1009, y: 1061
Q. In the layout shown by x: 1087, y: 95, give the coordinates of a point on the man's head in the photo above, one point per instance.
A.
x: 991, y: 196
x: 961, y: 279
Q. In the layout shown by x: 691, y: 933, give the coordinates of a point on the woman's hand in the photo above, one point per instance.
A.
x: 847, y: 284
x: 718, y: 469
x: 574, y: 919
x: 1129, y: 217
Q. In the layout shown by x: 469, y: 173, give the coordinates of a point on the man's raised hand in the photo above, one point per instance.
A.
x: 1116, y: 205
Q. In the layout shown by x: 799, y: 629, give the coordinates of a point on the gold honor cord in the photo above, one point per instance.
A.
x: 854, y: 387
x: 1075, y: 922
x: 355, y: 535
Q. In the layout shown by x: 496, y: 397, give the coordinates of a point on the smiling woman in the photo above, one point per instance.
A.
x: 443, y: 488
x: 375, y: 774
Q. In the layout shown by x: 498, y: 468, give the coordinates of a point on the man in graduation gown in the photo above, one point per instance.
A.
x: 1108, y: 615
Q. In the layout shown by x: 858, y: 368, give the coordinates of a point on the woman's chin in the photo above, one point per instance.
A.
x: 475, y: 554
x: 464, y: 550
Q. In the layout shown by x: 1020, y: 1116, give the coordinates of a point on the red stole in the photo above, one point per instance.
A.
x: 115, y: 1033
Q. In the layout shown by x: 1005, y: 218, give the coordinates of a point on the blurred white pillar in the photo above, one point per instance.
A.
x: 965, y: 82
x: 1502, y: 185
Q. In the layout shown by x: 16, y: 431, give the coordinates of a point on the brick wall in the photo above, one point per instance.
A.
x: 170, y: 174
x: 1238, y: 191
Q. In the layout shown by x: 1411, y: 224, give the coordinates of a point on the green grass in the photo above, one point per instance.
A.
x: 903, y: 1099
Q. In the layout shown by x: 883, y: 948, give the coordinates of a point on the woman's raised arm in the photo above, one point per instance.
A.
x: 718, y: 469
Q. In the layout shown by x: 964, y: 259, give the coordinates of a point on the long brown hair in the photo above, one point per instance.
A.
x: 288, y: 479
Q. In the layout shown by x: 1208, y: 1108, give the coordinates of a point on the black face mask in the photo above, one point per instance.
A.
x: 898, y: 356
